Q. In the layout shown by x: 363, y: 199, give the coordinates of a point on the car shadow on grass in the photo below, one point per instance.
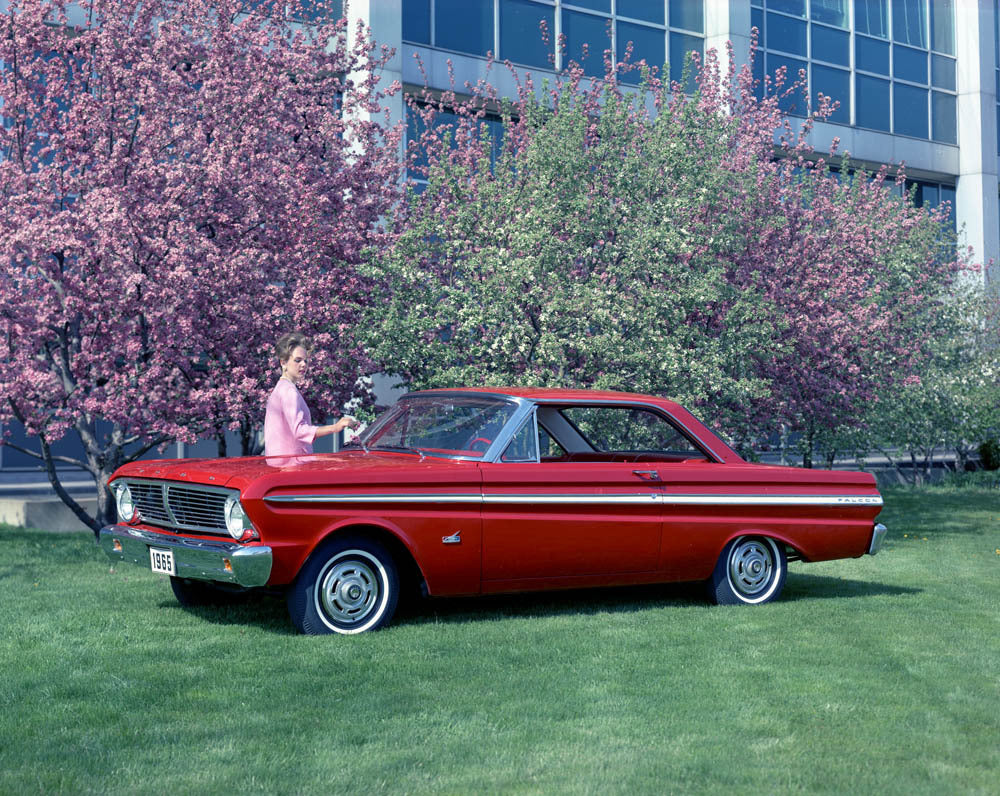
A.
x: 267, y: 611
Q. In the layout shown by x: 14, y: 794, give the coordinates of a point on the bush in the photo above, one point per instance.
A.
x: 989, y: 454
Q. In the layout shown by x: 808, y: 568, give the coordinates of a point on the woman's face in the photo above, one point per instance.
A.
x: 295, y: 365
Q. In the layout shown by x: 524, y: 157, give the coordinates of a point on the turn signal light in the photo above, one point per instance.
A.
x: 227, y: 565
x: 117, y: 545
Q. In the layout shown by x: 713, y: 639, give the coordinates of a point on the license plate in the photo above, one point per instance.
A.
x: 162, y: 561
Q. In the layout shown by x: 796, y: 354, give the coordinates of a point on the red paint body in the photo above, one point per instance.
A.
x: 522, y: 525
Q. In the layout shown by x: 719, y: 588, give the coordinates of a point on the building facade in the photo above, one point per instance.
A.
x: 916, y: 80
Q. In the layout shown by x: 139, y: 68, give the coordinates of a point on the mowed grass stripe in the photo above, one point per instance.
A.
x: 875, y: 674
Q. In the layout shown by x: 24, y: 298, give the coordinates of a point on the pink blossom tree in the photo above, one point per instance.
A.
x: 180, y: 183
x: 690, y: 245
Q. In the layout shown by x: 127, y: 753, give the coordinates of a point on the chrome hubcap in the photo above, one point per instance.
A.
x: 751, y: 567
x: 349, y: 591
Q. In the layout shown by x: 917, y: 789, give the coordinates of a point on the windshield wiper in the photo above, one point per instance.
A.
x: 399, y: 449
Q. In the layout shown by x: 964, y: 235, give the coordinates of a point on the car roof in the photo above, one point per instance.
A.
x: 558, y: 394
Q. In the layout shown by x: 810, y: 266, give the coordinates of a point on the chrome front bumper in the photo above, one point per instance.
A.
x: 878, y: 537
x: 198, y: 559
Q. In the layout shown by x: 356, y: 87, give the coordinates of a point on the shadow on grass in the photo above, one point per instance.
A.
x: 267, y: 611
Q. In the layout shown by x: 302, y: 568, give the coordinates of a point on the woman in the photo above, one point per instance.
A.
x: 288, y: 429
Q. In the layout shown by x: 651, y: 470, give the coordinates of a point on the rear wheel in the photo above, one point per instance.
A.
x: 348, y: 585
x: 751, y: 570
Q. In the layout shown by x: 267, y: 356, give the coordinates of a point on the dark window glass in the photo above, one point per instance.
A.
x: 593, y: 5
x: 680, y: 45
x: 943, y: 26
x: 909, y: 105
x: 787, y: 34
x: 521, y: 32
x: 464, y: 25
x: 621, y: 429
x: 794, y: 102
x: 580, y: 29
x: 909, y: 22
x: 872, y: 17
x: 872, y: 102
x: 836, y: 84
x: 831, y: 45
x: 871, y: 55
x: 943, y: 115
x: 948, y: 195
x: 524, y: 446
x: 641, y: 9
x: 832, y: 12
x: 758, y: 74
x: 757, y: 21
x: 687, y: 14
x: 647, y: 43
x: 417, y: 21
x: 943, y: 72
x: 909, y: 64
x: 796, y: 7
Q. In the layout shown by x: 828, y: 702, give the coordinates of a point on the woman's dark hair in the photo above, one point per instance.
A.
x: 288, y: 342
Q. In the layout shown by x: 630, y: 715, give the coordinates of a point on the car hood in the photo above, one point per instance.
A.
x: 260, y: 475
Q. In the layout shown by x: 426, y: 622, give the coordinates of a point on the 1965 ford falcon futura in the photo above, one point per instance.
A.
x: 477, y: 491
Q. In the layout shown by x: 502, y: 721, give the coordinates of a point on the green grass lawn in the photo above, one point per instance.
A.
x: 875, y: 675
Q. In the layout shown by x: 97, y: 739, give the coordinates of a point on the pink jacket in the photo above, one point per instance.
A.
x: 288, y: 429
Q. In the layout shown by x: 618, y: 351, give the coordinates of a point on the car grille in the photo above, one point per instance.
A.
x: 187, y: 508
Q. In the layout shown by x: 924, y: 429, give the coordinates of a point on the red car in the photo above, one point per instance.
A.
x: 479, y: 491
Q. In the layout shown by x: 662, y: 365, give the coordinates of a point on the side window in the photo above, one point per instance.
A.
x: 627, y: 429
x: 524, y: 447
x: 548, y: 448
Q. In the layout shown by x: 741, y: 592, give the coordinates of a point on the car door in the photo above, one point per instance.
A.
x: 570, y: 514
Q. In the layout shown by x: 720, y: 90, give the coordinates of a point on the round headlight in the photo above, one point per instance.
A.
x: 124, y: 502
x: 236, y: 521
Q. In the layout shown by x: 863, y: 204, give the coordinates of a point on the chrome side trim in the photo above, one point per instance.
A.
x: 773, y: 500
x: 379, y: 498
x: 644, y: 498
x: 633, y: 498
x: 198, y: 559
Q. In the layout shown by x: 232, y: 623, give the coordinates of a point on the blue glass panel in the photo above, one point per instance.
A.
x: 787, y: 34
x: 580, y: 29
x: 871, y: 55
x: 647, y: 43
x: 648, y: 10
x: 464, y: 25
x: 593, y: 5
x: 757, y: 21
x: 758, y: 75
x: 794, y: 103
x: 831, y: 12
x: 948, y: 195
x: 797, y: 7
x: 688, y: 14
x: 831, y: 45
x: 943, y: 115
x: 909, y: 110
x: 836, y: 84
x: 909, y: 22
x: 909, y: 64
x: 521, y: 32
x: 417, y: 21
x: 680, y: 45
x: 872, y: 98
x: 943, y: 72
x: 872, y: 17
x: 943, y: 26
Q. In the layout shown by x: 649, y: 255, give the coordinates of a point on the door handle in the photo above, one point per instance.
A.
x: 647, y: 475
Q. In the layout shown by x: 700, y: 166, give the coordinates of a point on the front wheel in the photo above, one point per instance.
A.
x: 348, y: 585
x: 751, y: 570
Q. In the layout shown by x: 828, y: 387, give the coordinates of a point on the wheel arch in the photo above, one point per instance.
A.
x: 410, y: 574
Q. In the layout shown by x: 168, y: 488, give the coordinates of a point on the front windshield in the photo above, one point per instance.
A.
x: 441, y: 425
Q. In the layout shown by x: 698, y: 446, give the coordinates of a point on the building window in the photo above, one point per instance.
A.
x: 511, y: 29
x: 897, y: 54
